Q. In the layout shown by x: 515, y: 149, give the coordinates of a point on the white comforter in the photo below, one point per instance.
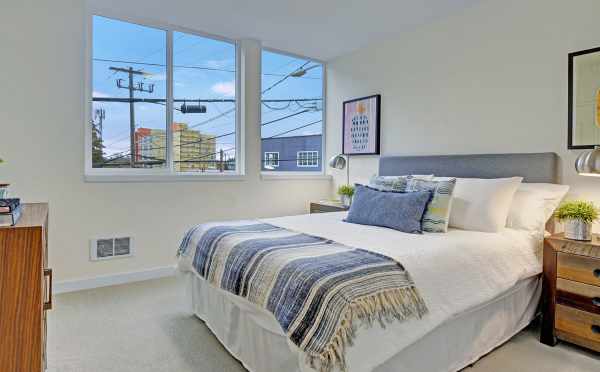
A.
x: 455, y: 272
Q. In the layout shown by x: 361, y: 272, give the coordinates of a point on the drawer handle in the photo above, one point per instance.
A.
x: 596, y: 329
x: 596, y: 301
x: 597, y: 273
x: 48, y: 273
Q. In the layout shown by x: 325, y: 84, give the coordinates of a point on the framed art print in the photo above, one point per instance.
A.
x: 361, y: 126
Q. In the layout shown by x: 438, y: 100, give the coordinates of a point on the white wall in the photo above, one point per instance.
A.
x: 41, y: 139
x: 492, y: 79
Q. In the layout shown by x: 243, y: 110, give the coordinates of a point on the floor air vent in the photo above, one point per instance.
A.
x: 107, y: 248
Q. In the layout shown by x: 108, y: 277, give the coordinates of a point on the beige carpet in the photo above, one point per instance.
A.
x: 143, y: 327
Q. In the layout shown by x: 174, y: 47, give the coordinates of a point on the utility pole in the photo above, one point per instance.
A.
x: 132, y: 88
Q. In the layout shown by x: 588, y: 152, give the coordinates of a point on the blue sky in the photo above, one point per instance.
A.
x: 120, y: 41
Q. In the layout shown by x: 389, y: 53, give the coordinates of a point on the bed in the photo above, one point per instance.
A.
x: 480, y: 288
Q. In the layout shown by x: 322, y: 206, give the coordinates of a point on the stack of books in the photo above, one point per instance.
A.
x: 10, y: 211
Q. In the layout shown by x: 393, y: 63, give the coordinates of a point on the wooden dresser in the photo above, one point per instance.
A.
x: 571, y: 299
x: 25, y: 291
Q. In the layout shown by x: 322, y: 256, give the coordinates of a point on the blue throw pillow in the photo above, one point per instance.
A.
x: 399, y: 211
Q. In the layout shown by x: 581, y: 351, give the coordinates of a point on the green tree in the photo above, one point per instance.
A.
x: 97, y: 147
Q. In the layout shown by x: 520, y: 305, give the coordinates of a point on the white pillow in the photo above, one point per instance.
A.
x: 527, y: 211
x: 552, y: 194
x: 482, y: 204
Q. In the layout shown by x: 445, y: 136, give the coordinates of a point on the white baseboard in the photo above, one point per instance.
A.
x: 114, y: 279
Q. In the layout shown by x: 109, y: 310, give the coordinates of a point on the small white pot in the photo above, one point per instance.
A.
x: 346, y: 200
x: 578, y: 230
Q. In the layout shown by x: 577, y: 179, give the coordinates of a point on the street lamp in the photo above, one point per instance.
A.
x: 302, y: 71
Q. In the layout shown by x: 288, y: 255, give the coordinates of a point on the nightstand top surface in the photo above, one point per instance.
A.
x: 331, y: 203
x: 585, y: 248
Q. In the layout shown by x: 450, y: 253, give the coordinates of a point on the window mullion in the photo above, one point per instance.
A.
x: 169, y: 105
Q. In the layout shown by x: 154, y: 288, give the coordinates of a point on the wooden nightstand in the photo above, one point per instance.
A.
x: 571, y: 292
x: 326, y: 206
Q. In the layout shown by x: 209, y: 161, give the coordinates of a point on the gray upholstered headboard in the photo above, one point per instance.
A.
x: 536, y: 167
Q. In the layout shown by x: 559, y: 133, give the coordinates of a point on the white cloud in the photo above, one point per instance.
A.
x: 99, y: 94
x: 156, y: 77
x: 225, y: 88
x: 219, y: 63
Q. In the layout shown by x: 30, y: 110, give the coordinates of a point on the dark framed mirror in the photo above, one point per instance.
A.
x: 584, y: 99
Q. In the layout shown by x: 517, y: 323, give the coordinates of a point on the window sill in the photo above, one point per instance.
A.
x: 163, y: 177
x: 279, y: 176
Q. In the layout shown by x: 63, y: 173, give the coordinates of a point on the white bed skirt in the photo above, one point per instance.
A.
x: 252, y: 335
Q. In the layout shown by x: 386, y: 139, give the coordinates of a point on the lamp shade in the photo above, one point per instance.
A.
x: 588, y: 163
x: 337, y: 162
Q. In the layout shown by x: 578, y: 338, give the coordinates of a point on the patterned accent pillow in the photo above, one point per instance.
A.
x: 437, y: 214
x: 397, y: 210
x: 394, y: 183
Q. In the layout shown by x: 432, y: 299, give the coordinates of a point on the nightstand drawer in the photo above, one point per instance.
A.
x: 578, y: 323
x: 582, y: 296
x: 578, y: 268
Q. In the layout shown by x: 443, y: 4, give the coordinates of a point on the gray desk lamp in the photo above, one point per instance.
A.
x: 588, y: 163
x: 340, y: 162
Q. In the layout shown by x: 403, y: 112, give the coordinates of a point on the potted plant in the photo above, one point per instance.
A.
x: 577, y: 216
x: 346, y: 192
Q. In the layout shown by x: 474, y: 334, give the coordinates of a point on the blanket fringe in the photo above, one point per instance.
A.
x: 384, y: 307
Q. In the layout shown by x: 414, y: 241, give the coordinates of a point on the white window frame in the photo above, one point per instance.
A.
x: 317, y: 174
x: 314, y: 153
x: 167, y: 173
x: 268, y: 162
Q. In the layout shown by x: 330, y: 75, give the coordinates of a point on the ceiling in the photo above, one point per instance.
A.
x: 320, y: 29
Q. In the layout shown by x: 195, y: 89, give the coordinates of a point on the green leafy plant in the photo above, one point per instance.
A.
x: 346, y: 190
x: 577, y: 210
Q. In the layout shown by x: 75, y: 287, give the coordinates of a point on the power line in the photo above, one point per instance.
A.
x: 233, y: 109
x: 225, y: 113
x: 181, y: 144
x: 231, y: 133
x: 205, y: 100
x: 200, y: 159
x: 160, y: 64
x: 283, y: 118
x: 232, y: 148
x: 163, y: 48
x: 120, y: 137
x: 284, y: 78
x: 285, y: 65
x: 263, y: 124
x: 222, y: 114
x: 210, y: 120
x: 292, y: 130
x: 125, y: 153
x: 204, y: 156
x: 206, y: 68
x: 277, y: 108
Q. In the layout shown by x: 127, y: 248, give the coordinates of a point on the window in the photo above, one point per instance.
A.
x: 163, y: 101
x: 271, y: 160
x: 292, y: 112
x: 307, y: 159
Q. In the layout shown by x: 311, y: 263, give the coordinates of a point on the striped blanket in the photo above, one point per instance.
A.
x: 315, y: 288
